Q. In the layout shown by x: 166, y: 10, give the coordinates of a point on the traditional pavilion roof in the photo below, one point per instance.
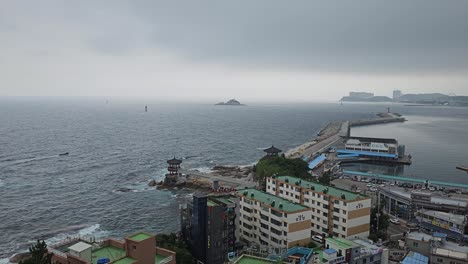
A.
x: 174, y: 161
x: 272, y: 149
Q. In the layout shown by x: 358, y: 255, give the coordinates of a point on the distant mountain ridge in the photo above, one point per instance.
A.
x: 373, y: 99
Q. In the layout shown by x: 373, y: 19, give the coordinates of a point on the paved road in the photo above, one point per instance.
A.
x: 326, y: 143
x: 231, y: 181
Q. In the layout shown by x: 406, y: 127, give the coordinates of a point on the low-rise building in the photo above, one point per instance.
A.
x: 354, y: 251
x: 335, y: 212
x: 454, y: 225
x: 437, y: 248
x: 404, y: 203
x: 266, y: 219
x: 138, y: 248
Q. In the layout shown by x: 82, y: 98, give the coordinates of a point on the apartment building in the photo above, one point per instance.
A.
x: 335, y: 212
x: 208, y: 226
x: 269, y: 220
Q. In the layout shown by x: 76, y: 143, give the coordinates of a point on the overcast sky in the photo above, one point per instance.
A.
x: 215, y: 50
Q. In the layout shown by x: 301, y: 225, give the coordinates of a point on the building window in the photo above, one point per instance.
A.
x: 415, y: 244
x: 344, y: 228
x: 344, y: 203
x: 337, y: 201
x: 276, y: 222
x: 306, y: 200
x: 325, y: 214
x: 344, y: 220
x: 276, y: 213
x: 268, y: 187
x: 344, y: 211
x: 440, y: 260
x: 318, y: 203
x: 281, y: 191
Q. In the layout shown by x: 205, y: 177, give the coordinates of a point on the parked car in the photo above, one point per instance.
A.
x: 317, y: 238
x: 395, y: 221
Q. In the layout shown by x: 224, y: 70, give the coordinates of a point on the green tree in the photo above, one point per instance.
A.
x: 172, y: 242
x: 39, y: 254
x: 379, y: 223
x: 269, y: 166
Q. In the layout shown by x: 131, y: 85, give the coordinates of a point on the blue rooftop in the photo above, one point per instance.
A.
x: 314, y: 163
x: 440, y: 235
x: 329, y: 251
x: 366, y: 153
x: 415, y: 258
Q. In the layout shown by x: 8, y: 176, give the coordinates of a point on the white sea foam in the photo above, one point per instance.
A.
x: 203, y: 169
x: 88, y: 231
x: 5, y: 261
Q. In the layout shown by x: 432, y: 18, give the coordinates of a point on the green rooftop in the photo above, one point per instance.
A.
x: 271, y: 200
x: 126, y: 260
x: 333, y: 191
x: 140, y: 237
x: 110, y: 252
x: 225, y: 199
x: 341, y: 242
x: 211, y: 203
x: 252, y: 260
x: 159, y: 258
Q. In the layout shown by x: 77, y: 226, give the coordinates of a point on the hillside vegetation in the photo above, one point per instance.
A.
x: 268, y: 166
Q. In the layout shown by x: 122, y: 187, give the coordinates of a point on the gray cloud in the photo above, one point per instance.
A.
x: 332, y: 36
x: 212, y: 48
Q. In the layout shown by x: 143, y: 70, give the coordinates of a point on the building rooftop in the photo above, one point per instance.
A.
x: 376, y: 140
x: 140, y: 236
x: 314, y: 163
x: 436, y: 197
x: 329, y: 251
x: 272, y: 201
x: 341, y: 242
x: 333, y: 191
x: 272, y: 149
x: 126, y: 260
x: 454, y: 218
x: 454, y: 247
x: 245, y: 259
x: 450, y: 253
x: 80, y: 246
x: 109, y: 252
x: 225, y: 199
x: 211, y: 203
x: 419, y: 236
x: 415, y: 258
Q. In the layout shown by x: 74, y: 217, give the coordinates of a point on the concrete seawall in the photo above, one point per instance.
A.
x: 334, y: 132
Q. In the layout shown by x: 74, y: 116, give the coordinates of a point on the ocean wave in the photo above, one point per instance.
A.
x: 5, y: 261
x: 26, y: 160
x: 203, y: 169
x: 82, y: 231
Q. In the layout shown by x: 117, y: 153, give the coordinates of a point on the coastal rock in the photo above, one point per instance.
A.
x: 152, y: 183
x: 20, y: 257
x: 230, y: 102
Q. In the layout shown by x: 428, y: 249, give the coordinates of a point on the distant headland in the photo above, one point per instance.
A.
x: 231, y: 102
x: 435, y: 99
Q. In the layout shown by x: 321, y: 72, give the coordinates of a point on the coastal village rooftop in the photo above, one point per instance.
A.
x: 272, y: 201
x: 333, y: 191
x: 111, y: 249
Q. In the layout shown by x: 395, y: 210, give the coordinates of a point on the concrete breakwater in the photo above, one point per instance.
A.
x: 335, y: 131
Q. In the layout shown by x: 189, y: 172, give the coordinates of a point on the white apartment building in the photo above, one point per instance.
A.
x: 336, y: 212
x: 269, y: 220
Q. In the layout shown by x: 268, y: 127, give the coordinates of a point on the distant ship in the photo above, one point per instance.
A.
x: 231, y: 102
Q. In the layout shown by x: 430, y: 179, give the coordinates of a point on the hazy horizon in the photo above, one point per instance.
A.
x: 214, y: 51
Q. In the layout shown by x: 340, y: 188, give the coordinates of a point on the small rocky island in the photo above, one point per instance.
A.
x: 231, y: 102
